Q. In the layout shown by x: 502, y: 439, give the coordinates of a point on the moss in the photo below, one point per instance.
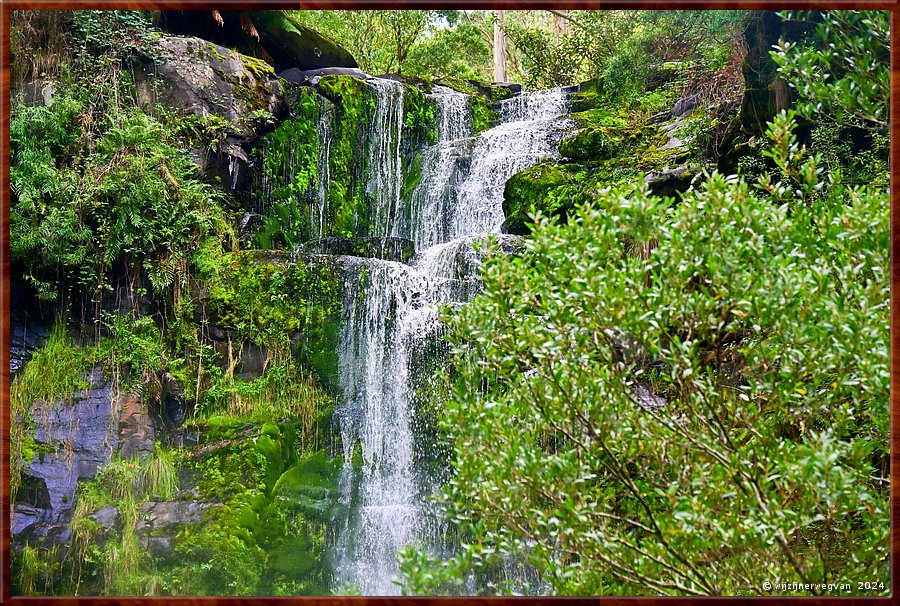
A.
x: 354, y: 106
x: 257, y: 67
x: 600, y: 116
x: 419, y: 120
x: 500, y: 93
x: 289, y: 174
x: 589, y: 96
x: 532, y: 190
x: 267, y: 301
x: 482, y: 115
x: 210, y: 53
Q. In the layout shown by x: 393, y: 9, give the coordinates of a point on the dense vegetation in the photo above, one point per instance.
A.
x: 695, y: 397
x: 659, y: 394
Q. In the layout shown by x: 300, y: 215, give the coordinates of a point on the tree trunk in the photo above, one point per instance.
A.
x: 500, y: 47
x: 560, y: 25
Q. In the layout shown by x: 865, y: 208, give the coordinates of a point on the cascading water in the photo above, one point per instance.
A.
x: 385, y: 168
x: 323, y: 168
x: 390, y: 310
x: 433, y: 199
x: 521, y: 140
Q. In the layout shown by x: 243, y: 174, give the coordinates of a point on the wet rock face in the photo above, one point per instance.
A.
x: 25, y: 336
x: 310, y: 77
x: 79, y: 437
x: 136, y: 429
x: 386, y: 249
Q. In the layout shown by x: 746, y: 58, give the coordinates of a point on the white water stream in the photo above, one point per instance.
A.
x: 390, y: 309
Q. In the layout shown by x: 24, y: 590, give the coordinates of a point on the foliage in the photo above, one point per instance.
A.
x: 89, y: 196
x: 842, y: 75
x: 268, y: 301
x: 379, y: 40
x: 283, y: 392
x: 290, y: 178
x: 761, y: 319
x: 458, y: 52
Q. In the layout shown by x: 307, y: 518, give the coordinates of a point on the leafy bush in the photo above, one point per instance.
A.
x: 694, y: 399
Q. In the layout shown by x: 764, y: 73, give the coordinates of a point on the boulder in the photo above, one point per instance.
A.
x: 108, y: 517
x: 216, y: 85
x: 269, y: 35
x: 670, y: 181
x: 154, y: 517
x: 290, y: 44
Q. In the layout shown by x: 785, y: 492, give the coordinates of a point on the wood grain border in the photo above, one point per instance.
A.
x: 8, y: 5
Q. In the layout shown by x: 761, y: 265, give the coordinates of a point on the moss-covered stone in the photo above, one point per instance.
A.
x: 483, y: 116
x: 354, y: 104
x: 589, y: 96
x: 535, y: 189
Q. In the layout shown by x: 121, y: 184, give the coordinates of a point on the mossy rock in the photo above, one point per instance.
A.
x: 532, y: 190
x: 483, y: 116
x: 589, y: 96
x: 599, y: 116
x: 293, y: 45
x: 591, y: 144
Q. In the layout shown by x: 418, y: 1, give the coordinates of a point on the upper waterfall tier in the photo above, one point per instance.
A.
x: 375, y: 157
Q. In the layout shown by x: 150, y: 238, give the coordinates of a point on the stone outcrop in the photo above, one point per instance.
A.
x: 270, y: 35
x: 387, y: 249
x: 77, y: 437
x: 222, y: 89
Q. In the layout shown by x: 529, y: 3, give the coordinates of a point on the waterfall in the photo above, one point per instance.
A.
x: 521, y: 140
x: 433, y: 199
x: 384, y: 168
x: 323, y: 169
x: 390, y: 311
x: 383, y: 318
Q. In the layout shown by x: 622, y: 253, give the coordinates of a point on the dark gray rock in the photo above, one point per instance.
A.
x: 199, y: 78
x: 685, y: 106
x: 670, y: 181
x: 386, y: 249
x: 160, y: 547
x: 647, y: 399
x: 25, y: 519
x: 154, y: 517
x: 36, y: 92
x: 136, y: 429
x: 26, y: 336
x: 107, y: 517
x: 309, y: 77
x: 252, y: 362
x: 272, y: 35
x: 79, y: 437
x: 510, y: 86
x: 169, y: 413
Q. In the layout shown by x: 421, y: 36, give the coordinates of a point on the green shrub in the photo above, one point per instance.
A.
x: 761, y: 317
